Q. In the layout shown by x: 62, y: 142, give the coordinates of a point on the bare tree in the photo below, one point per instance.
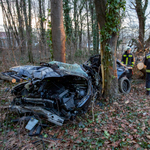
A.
x: 28, y: 28
x: 21, y: 25
x: 140, y: 7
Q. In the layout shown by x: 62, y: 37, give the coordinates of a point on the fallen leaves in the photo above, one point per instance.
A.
x: 11, y: 133
x: 106, y: 134
x: 116, y: 144
x: 124, y: 124
x: 148, y: 136
x: 96, y: 130
x: 126, y: 102
x: 85, y: 129
x: 143, y: 126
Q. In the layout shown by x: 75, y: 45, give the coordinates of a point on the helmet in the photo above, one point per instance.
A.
x: 128, y: 48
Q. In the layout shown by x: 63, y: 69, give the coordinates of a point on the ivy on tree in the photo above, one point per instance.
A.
x: 112, y: 23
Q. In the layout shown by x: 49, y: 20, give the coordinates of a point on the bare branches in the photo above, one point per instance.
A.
x: 145, y: 5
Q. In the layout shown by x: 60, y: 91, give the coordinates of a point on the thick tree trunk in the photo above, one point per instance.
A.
x: 141, y: 32
x: 58, y: 33
x: 108, y: 58
x: 109, y: 71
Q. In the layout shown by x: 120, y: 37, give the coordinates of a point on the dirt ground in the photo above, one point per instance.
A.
x: 121, y: 123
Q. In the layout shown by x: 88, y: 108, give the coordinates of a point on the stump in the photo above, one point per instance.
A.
x: 141, y: 67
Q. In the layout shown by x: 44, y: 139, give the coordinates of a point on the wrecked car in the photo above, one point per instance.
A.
x: 59, y: 91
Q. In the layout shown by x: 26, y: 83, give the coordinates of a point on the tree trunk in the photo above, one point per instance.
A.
x: 88, y: 31
x: 75, y: 24
x: 140, y: 8
x: 13, y: 22
x: 58, y: 33
x: 28, y: 29
x: 94, y: 25
x: 20, y: 20
x: 108, y: 58
x: 30, y: 55
x: 42, y: 30
x: 109, y: 71
x: 97, y: 42
x: 80, y: 32
x: 67, y: 19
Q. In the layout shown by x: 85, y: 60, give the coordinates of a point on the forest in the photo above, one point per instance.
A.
x: 73, y: 33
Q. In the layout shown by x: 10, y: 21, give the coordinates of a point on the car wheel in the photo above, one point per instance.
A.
x: 124, y: 85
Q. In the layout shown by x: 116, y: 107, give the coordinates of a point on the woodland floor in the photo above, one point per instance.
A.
x: 123, y: 123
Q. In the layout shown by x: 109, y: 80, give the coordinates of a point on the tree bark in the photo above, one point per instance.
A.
x: 75, y: 24
x: 67, y: 19
x: 42, y: 30
x: 108, y: 58
x: 28, y: 29
x: 21, y: 27
x: 88, y: 30
x: 80, y: 32
x: 30, y: 55
x: 97, y: 42
x: 140, y: 8
x: 58, y: 33
x: 13, y: 22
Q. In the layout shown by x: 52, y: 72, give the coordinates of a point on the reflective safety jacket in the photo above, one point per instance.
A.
x: 147, y: 62
x: 127, y: 59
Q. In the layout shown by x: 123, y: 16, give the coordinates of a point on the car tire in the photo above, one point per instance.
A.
x: 124, y: 85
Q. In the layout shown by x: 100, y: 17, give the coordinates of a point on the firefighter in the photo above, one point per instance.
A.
x: 147, y: 63
x: 128, y: 59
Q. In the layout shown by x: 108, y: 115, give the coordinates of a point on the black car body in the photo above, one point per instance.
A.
x: 59, y: 91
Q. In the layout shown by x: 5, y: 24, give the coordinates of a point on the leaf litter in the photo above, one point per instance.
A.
x: 122, y: 124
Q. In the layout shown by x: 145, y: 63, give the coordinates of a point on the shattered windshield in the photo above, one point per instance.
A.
x: 74, y: 69
x: 41, y: 72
